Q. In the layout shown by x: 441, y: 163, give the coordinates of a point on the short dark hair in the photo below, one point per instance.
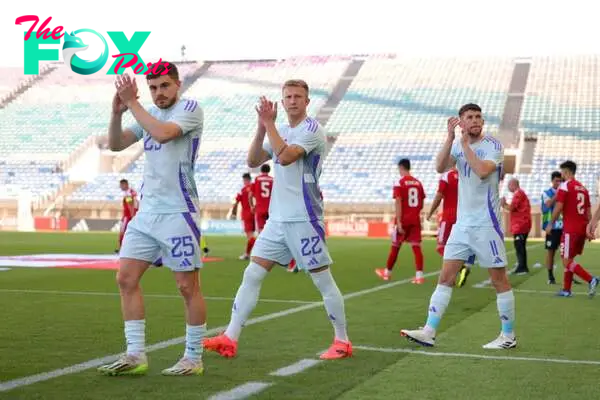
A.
x: 265, y: 168
x: 159, y: 70
x: 555, y: 174
x: 569, y: 166
x: 468, y: 107
x: 124, y: 181
x: 404, y: 163
x: 247, y: 176
x: 296, y: 83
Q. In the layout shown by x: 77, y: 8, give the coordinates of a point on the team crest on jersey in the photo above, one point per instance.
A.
x: 480, y: 153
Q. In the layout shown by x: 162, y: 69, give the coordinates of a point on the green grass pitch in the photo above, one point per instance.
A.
x: 54, y: 318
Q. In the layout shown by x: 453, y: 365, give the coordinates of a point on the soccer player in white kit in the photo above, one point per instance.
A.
x: 295, y: 226
x: 477, y: 231
x: 167, y: 223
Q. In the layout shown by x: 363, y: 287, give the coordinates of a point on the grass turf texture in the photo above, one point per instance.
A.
x: 42, y: 332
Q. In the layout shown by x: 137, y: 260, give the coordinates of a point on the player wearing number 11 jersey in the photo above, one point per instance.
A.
x: 295, y: 227
x: 573, y: 201
x: 409, y: 197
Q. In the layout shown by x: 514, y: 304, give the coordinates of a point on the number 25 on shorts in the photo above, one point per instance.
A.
x: 182, y: 246
x: 310, y: 246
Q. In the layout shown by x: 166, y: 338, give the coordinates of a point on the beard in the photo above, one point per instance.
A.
x: 169, y: 103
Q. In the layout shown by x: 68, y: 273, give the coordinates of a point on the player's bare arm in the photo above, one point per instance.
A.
x: 555, y: 214
x: 119, y: 139
x: 437, y: 200
x: 593, y: 224
x: 444, y: 160
x: 550, y: 201
x: 267, y: 112
x: 161, y: 132
x: 482, y: 168
x: 256, y: 154
x: 399, y: 215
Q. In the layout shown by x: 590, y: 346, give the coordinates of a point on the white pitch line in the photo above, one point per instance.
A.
x: 537, y: 291
x: 296, y: 368
x: 477, y: 356
x: 241, y: 392
x: 44, y: 376
x: 151, y: 295
x: 488, y: 281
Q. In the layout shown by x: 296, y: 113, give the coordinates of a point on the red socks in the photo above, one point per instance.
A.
x: 392, y: 257
x: 250, y: 245
x: 418, y: 253
x: 580, y: 272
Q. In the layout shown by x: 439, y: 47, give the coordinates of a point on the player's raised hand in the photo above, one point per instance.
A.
x: 453, y: 122
x: 266, y: 110
x: 126, y: 88
x: 118, y: 108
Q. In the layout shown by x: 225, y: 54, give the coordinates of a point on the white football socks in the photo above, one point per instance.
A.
x: 193, y: 341
x: 135, y: 335
x: 437, y: 306
x: 245, y: 299
x: 334, y: 302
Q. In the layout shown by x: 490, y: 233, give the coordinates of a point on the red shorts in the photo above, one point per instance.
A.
x: 412, y: 235
x: 249, y: 225
x: 444, y: 233
x: 571, y: 245
x: 261, y: 219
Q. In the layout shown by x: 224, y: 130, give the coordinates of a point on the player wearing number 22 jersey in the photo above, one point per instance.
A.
x: 409, y: 197
x: 295, y: 228
x: 573, y: 200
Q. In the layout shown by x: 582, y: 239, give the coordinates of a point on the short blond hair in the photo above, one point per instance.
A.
x: 296, y: 83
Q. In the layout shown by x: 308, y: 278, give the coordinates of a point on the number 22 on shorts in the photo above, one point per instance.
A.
x: 310, y: 246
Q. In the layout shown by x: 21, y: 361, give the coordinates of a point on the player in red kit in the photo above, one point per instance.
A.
x: 409, y: 197
x: 573, y: 201
x: 130, y: 207
x: 263, y: 186
x: 448, y: 192
x: 244, y: 197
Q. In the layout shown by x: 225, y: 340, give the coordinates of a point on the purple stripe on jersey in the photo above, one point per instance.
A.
x: 185, y: 193
x: 493, y: 214
x: 195, y: 142
x: 194, y: 105
x: 142, y: 191
x: 471, y: 259
x: 187, y: 106
x: 192, y: 224
x: 314, y: 220
x: 312, y: 125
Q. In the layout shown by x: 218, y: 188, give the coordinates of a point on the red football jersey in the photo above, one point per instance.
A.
x: 411, y: 194
x: 243, y: 197
x: 130, y: 203
x: 263, y: 186
x: 576, y: 206
x: 448, y: 187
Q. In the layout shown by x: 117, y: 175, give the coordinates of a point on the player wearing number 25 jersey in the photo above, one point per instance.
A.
x: 409, y: 197
x: 573, y: 200
x: 263, y: 186
x: 167, y: 223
